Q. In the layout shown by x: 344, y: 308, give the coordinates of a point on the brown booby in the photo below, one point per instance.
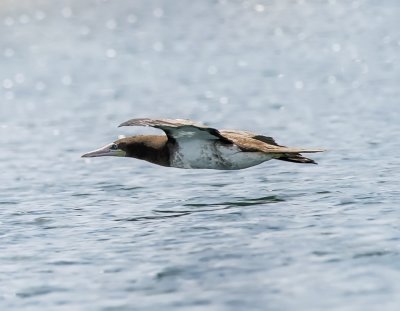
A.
x: 188, y: 144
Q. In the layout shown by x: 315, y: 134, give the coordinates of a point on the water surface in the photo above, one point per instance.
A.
x: 121, y: 234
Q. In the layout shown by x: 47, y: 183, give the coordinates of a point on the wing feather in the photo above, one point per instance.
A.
x: 248, y: 141
x: 179, y: 128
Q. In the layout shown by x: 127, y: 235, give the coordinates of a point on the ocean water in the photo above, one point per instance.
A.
x: 122, y: 234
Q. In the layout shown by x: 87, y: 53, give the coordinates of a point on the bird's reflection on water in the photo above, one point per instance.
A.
x: 191, y: 208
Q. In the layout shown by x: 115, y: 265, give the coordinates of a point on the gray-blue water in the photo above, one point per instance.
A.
x: 122, y: 234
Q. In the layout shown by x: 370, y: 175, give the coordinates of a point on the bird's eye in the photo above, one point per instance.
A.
x: 114, y: 147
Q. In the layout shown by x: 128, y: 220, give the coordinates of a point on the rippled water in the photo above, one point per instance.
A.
x: 121, y: 234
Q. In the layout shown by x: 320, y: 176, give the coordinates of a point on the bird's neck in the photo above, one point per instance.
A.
x: 150, y: 148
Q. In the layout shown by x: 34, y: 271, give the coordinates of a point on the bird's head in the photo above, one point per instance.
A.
x: 150, y: 148
x: 119, y: 148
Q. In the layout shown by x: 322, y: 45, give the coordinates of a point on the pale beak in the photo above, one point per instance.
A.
x: 105, y: 151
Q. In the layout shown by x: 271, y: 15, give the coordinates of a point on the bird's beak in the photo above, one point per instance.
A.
x: 105, y: 151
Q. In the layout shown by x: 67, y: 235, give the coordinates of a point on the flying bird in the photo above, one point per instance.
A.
x: 190, y: 145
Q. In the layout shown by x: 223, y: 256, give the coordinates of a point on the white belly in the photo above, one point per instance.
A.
x: 201, y: 154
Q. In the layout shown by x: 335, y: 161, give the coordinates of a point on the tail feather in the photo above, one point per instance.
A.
x: 296, y: 158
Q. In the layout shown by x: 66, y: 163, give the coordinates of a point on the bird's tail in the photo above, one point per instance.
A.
x: 296, y: 158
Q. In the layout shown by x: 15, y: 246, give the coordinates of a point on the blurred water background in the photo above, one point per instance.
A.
x: 122, y: 234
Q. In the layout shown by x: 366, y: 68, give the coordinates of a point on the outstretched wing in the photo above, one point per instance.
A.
x: 248, y: 141
x: 179, y: 128
x: 249, y: 135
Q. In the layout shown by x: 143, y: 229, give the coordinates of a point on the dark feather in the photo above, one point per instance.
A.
x: 267, y: 139
x: 296, y: 158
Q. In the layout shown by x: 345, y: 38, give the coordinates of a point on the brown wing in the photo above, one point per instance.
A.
x: 161, y: 123
x: 179, y: 128
x: 248, y: 141
x: 247, y: 134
